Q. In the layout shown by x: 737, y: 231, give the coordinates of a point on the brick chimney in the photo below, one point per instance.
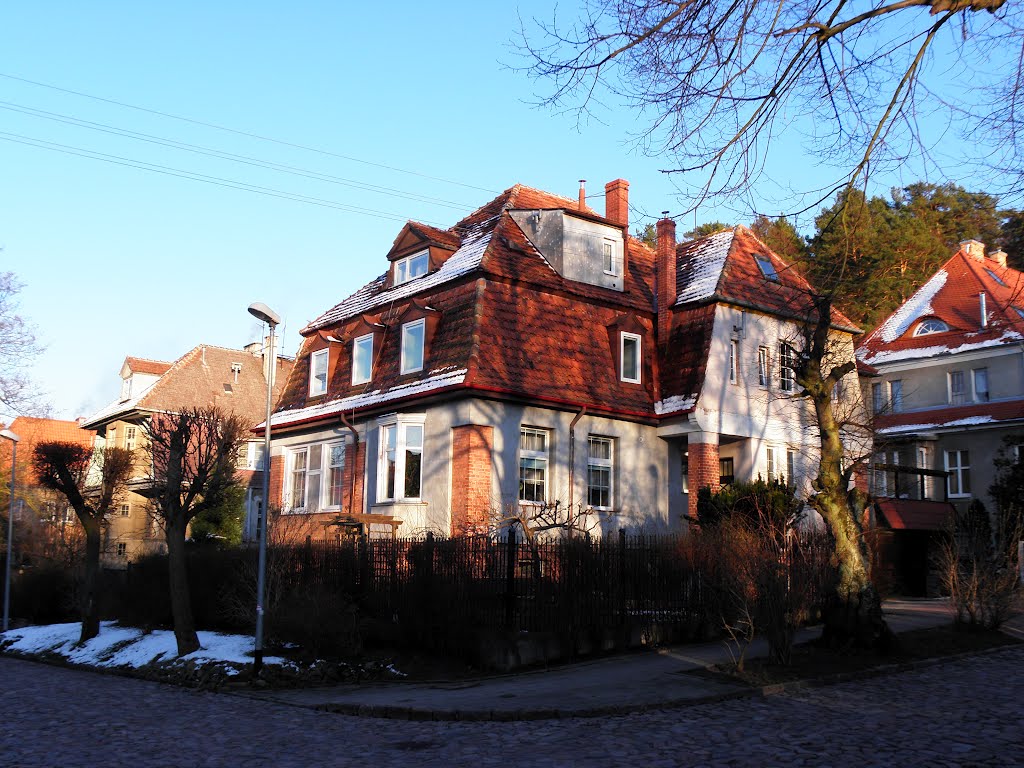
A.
x: 973, y: 248
x: 583, y: 195
x: 666, y: 276
x: 999, y: 257
x: 616, y: 202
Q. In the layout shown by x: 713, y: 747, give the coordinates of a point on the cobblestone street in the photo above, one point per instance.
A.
x: 967, y: 712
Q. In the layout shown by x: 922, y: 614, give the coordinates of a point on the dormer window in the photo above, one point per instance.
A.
x: 362, y: 359
x: 412, y: 346
x: 930, y: 325
x: 126, y: 388
x: 629, y: 357
x: 411, y: 267
x: 318, y: 373
x: 767, y: 268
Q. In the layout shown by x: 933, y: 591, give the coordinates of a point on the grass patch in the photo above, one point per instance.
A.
x: 811, y: 661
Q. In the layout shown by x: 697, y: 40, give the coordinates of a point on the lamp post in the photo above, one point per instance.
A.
x: 8, y: 435
x: 264, y: 313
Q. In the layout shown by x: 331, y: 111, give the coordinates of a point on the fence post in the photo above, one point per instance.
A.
x: 510, y: 577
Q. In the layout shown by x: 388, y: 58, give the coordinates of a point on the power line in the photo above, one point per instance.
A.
x: 213, y: 152
x: 248, y: 134
x: 194, y: 176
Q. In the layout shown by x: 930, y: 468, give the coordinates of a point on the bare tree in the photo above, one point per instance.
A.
x: 94, y: 484
x: 864, y: 86
x: 194, y: 456
x: 18, y: 347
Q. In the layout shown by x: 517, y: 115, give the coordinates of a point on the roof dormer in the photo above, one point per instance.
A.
x: 417, y: 251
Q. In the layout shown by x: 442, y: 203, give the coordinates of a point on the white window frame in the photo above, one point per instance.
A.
x: 786, y: 353
x: 608, y: 257
x: 126, y: 510
x: 126, y: 388
x: 401, y: 424
x: 130, y: 438
x: 327, y: 485
x: 293, y: 455
x: 608, y: 464
x: 543, y: 457
x: 896, y: 395
x: 121, y: 549
x: 764, y: 263
x: 362, y: 345
x: 771, y: 464
x: 764, y: 368
x: 624, y: 336
x: 321, y: 471
x: 734, y: 361
x: 407, y: 329
x: 929, y: 326
x: 958, y: 472
x: 404, y: 267
x: 960, y: 397
x: 316, y: 387
x: 791, y: 466
x: 877, y: 397
x: 974, y: 385
x: 924, y: 462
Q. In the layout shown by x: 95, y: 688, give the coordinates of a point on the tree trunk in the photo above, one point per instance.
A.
x: 181, y: 603
x: 89, y: 601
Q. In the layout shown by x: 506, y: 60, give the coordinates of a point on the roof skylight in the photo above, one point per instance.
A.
x: 996, y: 277
x: 767, y: 268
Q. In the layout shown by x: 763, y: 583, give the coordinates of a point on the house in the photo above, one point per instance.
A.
x: 950, y: 384
x: 535, y: 353
x: 43, y: 519
x: 231, y: 379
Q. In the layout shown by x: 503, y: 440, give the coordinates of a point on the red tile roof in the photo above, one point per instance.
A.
x: 142, y: 365
x: 952, y: 296
x: 954, y: 416
x: 32, y: 431
x: 916, y: 515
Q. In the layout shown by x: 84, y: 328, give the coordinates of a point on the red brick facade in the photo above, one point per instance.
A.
x: 472, y: 449
x: 704, y: 470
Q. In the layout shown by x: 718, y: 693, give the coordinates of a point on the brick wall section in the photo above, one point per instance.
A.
x: 704, y: 470
x: 276, y: 482
x: 472, y: 451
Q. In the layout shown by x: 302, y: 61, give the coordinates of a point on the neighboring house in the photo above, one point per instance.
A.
x: 231, y: 379
x: 537, y: 353
x: 950, y: 382
x: 42, y: 517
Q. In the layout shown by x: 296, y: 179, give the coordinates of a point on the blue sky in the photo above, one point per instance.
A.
x: 119, y: 261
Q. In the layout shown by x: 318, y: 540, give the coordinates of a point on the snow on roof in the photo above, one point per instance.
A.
x: 707, y: 261
x: 966, y: 422
x: 465, y: 259
x: 933, y: 351
x: 918, y: 305
x: 439, y: 381
x: 117, y: 408
x: 675, y: 403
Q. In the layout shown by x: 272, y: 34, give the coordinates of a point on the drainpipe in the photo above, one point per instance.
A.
x: 572, y: 455
x: 984, y: 310
x: 355, y: 447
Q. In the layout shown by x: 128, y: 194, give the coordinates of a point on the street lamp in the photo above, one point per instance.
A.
x: 264, y: 314
x: 8, y: 435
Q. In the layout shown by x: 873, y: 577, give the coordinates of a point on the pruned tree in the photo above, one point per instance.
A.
x: 18, y: 346
x: 93, y: 482
x: 859, y: 85
x: 194, y: 455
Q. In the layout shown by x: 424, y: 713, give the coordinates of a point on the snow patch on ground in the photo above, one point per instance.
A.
x: 918, y: 305
x: 118, y: 646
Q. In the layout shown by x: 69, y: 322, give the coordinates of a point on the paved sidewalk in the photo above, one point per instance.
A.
x: 625, y: 683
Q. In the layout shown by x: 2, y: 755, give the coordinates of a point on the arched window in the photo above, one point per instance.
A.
x: 930, y: 325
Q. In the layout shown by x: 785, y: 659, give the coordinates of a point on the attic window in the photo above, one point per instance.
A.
x: 996, y: 277
x: 318, y: 373
x: 411, y: 267
x: 767, y: 268
x: 1019, y: 311
x: 930, y: 325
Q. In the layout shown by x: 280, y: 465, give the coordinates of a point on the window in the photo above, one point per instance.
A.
x: 767, y: 268
x: 608, y: 252
x: 772, y: 468
x: 957, y: 396
x: 958, y: 464
x: 930, y: 325
x: 129, y: 438
x: 734, y: 351
x: 791, y: 467
x: 533, y: 465
x: 786, y: 362
x: 629, y: 348
x: 980, y: 377
x: 362, y: 359
x: 684, y: 469
x: 126, y: 388
x: 411, y: 267
x: 318, y: 373
x: 762, y: 366
x: 599, y: 472
x: 400, y: 463
x: 412, y: 346
x: 1019, y: 311
x: 126, y: 510
x: 314, y: 476
x: 896, y: 395
x: 880, y: 477
x: 996, y: 277
x: 122, y: 549
x: 923, y: 462
x: 726, y: 471
x: 877, y: 399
